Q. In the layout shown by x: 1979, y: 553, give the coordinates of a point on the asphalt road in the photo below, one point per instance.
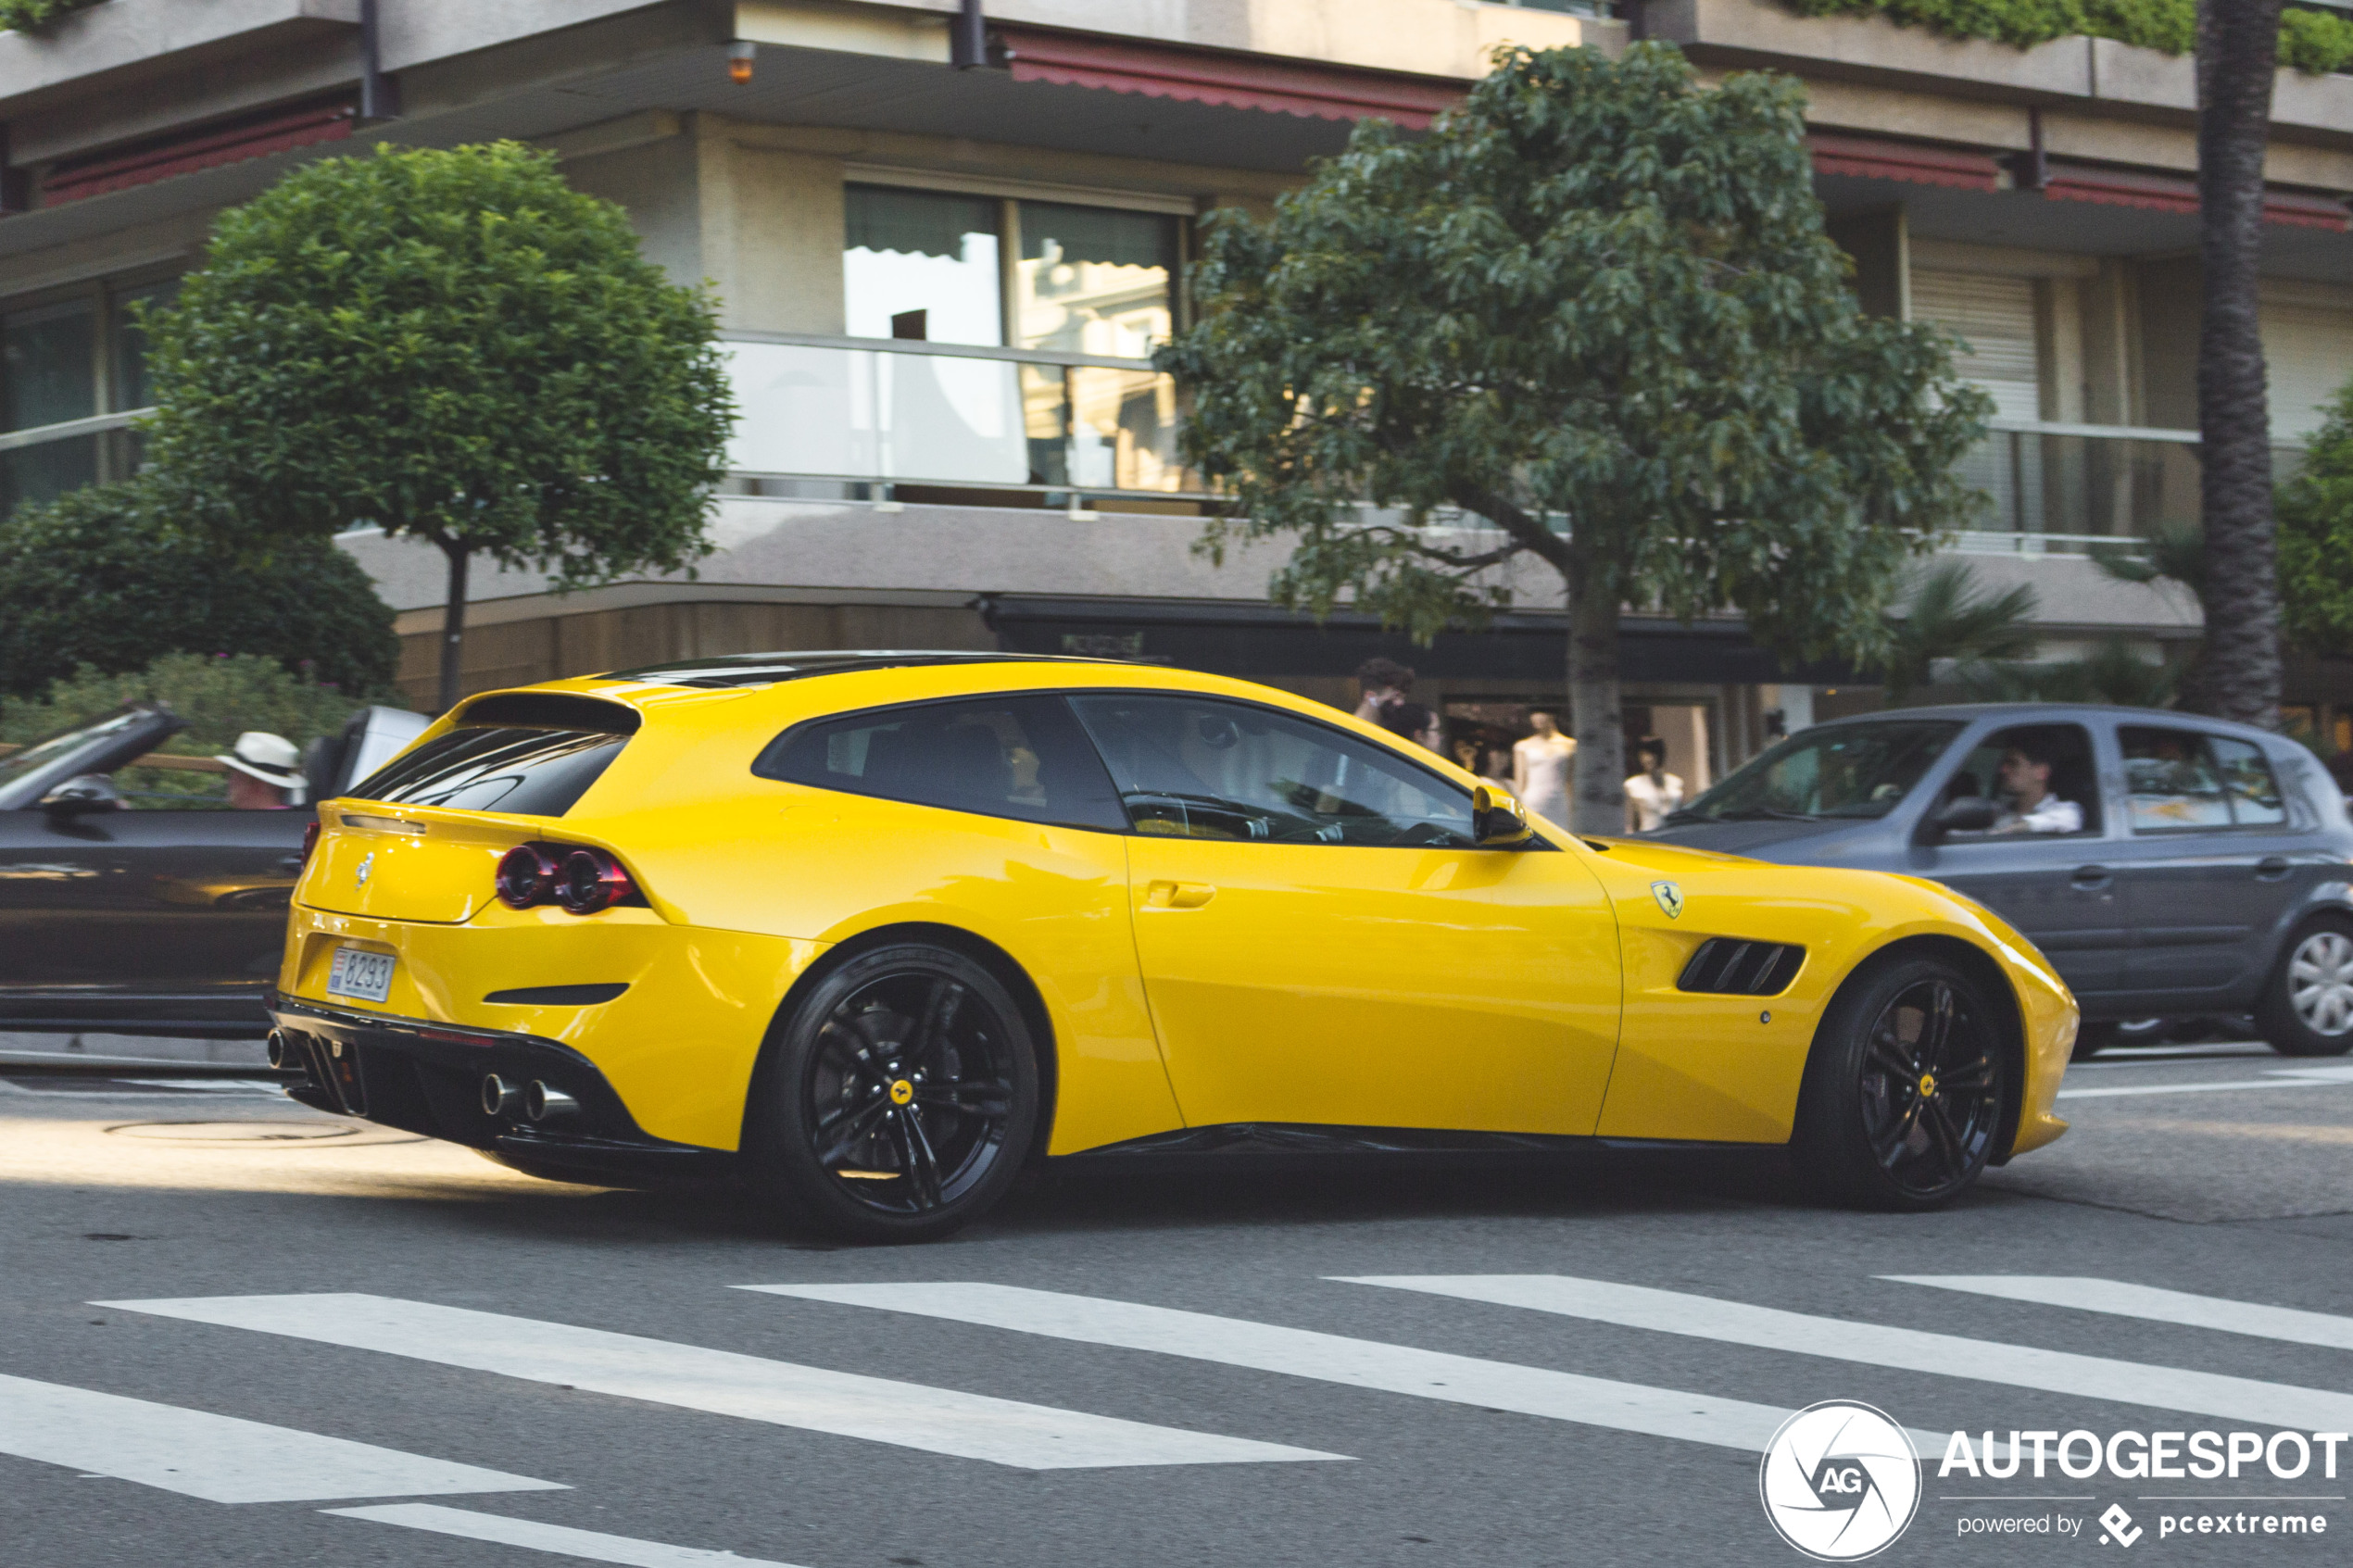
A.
x: 1244, y: 1443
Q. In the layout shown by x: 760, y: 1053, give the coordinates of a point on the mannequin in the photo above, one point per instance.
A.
x: 1539, y: 769
x: 1653, y: 792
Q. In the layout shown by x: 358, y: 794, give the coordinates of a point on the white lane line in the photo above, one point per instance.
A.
x: 219, y: 1458
x: 1327, y: 1357
x: 2302, y: 1077
x: 593, y: 1545
x: 724, y: 1382
x: 1946, y: 1355
x: 2121, y: 1299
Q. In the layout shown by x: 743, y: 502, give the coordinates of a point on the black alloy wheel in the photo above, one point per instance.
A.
x: 897, y: 1097
x: 1905, y: 1090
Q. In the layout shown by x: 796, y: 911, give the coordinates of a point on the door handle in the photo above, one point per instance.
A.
x: 2091, y: 879
x: 1178, y: 895
x: 2270, y: 868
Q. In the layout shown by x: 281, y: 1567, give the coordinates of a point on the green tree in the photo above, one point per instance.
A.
x: 1948, y: 617
x: 1594, y: 311
x: 106, y: 577
x: 456, y: 347
x: 2113, y: 673
x: 2316, y: 538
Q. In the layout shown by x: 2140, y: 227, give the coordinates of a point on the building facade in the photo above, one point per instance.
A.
x: 942, y: 269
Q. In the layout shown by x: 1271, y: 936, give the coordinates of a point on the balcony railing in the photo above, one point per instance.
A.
x: 2073, y: 488
x: 876, y: 412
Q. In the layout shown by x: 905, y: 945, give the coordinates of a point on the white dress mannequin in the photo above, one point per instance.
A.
x: 1649, y: 797
x: 1539, y: 770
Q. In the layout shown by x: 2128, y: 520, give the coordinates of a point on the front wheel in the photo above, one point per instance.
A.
x: 899, y: 1098
x: 1904, y: 1090
x: 2307, y: 1006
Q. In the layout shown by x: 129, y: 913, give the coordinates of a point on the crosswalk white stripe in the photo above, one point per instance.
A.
x: 1946, y: 1355
x: 2283, y: 1082
x: 219, y: 1458
x: 2116, y: 1297
x: 1327, y: 1357
x: 722, y: 1382
x: 592, y: 1545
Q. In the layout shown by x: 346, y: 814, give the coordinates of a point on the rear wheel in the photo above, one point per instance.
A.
x: 2308, y: 1008
x: 1902, y: 1094
x: 898, y: 1097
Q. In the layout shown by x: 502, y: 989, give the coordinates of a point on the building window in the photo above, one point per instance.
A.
x: 944, y: 268
x: 68, y: 357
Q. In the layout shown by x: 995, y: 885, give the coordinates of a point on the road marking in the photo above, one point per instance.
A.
x: 593, y: 1545
x: 724, y: 1382
x: 1946, y: 1355
x: 2116, y: 1297
x: 218, y: 1458
x: 1327, y: 1357
x: 2286, y: 1078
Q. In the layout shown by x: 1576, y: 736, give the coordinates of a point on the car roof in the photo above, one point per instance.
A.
x: 2052, y: 713
x: 767, y: 668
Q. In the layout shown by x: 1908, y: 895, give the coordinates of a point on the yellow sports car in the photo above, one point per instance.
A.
x: 872, y: 931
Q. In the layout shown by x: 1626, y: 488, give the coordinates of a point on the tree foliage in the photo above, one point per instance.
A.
x: 108, y: 578
x: 32, y: 16
x: 2113, y: 673
x: 1948, y: 617
x: 453, y: 344
x: 2309, y: 41
x: 1594, y: 310
x: 2316, y: 537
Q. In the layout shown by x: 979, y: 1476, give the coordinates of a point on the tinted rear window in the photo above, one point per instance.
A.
x: 1021, y: 757
x: 526, y: 771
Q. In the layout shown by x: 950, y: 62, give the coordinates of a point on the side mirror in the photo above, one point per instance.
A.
x: 1971, y: 813
x: 1498, y: 822
x: 82, y: 795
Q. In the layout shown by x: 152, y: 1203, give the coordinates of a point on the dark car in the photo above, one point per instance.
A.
x: 159, y: 920
x: 2167, y: 865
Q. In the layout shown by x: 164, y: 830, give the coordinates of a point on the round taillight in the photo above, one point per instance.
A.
x: 591, y: 880
x: 526, y: 876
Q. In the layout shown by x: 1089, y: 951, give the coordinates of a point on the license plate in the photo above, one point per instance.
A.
x: 359, y: 973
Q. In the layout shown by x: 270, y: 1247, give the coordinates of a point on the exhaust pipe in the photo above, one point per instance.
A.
x: 501, y: 1098
x: 544, y: 1104
x: 283, y: 1055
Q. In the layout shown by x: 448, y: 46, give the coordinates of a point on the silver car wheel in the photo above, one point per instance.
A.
x: 2319, y: 983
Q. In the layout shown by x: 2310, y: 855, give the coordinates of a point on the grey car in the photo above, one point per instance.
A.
x: 2165, y: 864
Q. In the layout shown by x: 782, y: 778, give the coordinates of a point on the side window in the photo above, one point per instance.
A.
x: 1200, y: 768
x: 2247, y: 784
x: 2041, y: 775
x: 1020, y: 756
x: 2183, y: 781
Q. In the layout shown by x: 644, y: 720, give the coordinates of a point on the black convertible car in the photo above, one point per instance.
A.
x: 157, y: 920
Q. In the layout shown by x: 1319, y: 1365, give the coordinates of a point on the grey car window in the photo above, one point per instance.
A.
x: 2247, y: 784
x: 1837, y: 770
x: 2183, y: 782
x: 2042, y: 776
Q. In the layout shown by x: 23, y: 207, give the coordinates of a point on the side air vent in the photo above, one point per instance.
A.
x: 1728, y: 967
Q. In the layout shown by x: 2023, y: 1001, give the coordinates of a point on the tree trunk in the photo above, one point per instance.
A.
x: 453, y: 626
x: 2237, y: 673
x: 1597, y: 783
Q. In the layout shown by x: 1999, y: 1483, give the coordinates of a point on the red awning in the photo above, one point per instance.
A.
x: 1201, y: 76
x: 1873, y: 158
x: 254, y: 136
x: 2175, y: 193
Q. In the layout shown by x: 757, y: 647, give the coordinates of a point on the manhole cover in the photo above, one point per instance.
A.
x: 237, y: 1131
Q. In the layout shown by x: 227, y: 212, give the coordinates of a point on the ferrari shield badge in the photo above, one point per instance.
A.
x: 370, y: 864
x: 1670, y: 898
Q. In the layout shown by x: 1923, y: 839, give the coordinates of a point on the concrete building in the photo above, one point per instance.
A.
x: 940, y: 284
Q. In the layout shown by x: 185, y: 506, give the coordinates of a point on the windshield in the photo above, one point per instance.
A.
x: 1839, y: 771
x: 16, y: 764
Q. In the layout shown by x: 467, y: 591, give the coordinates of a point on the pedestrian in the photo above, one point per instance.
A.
x: 1387, y: 686
x: 1653, y: 792
x: 1539, y: 769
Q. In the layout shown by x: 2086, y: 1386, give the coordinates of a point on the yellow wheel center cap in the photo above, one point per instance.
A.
x: 1928, y: 1084
x: 901, y: 1092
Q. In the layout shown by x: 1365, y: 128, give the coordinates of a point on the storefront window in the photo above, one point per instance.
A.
x: 922, y: 264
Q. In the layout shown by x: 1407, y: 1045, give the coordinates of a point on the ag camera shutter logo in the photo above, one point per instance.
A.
x: 1840, y: 1481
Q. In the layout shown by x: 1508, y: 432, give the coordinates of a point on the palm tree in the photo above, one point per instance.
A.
x: 2237, y: 671
x: 1947, y: 618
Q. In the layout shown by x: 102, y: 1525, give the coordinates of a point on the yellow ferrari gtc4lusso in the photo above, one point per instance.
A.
x: 872, y: 931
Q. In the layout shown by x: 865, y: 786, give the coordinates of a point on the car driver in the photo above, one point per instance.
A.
x: 2026, y: 781
x: 265, y: 772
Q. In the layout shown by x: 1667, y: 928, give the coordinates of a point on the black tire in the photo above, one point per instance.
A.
x: 1904, y: 1090
x: 2306, y: 1008
x: 2092, y: 1038
x: 897, y: 1099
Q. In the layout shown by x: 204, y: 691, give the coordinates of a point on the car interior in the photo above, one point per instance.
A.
x: 2074, y: 777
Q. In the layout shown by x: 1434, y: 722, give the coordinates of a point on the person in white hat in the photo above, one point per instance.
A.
x: 265, y: 772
